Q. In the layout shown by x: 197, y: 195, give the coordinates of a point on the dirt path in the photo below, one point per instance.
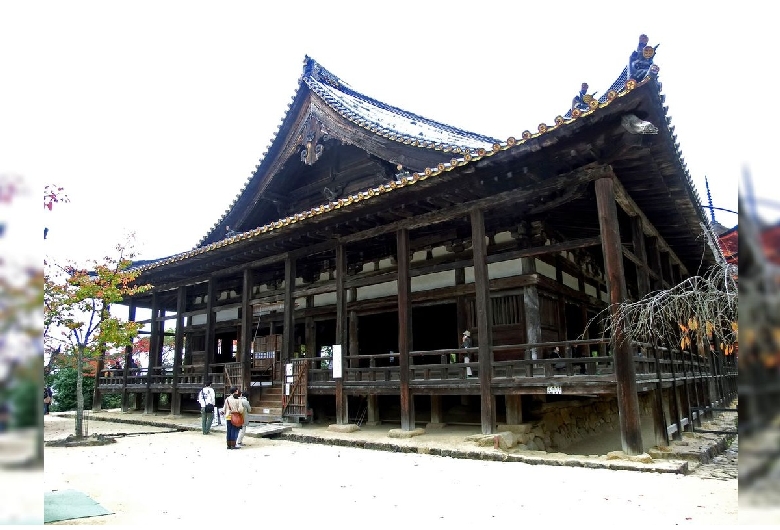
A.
x: 188, y: 478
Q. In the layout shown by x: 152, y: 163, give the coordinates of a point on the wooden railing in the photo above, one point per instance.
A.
x: 431, y: 365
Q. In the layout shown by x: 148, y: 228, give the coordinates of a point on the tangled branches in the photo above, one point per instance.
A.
x: 707, y: 303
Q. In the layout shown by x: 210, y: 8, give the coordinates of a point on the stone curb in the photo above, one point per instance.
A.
x: 668, y: 467
x: 669, y: 463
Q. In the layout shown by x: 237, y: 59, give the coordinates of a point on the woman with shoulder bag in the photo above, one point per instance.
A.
x: 234, y: 417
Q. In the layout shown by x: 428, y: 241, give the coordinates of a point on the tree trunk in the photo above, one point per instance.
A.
x: 80, y: 392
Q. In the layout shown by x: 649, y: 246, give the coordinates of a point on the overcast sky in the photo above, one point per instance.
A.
x: 153, y: 115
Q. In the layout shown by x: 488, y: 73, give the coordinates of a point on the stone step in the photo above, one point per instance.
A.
x: 272, y: 417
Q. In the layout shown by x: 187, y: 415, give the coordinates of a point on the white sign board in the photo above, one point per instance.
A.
x: 554, y: 390
x: 336, y: 361
x: 288, y: 369
x: 287, y: 389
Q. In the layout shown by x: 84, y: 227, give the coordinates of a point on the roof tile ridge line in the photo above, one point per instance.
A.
x: 345, y: 88
x: 257, y: 167
x: 429, y: 121
x: 402, y: 182
x: 388, y: 132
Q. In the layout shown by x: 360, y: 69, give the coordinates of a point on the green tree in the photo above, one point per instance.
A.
x: 77, y: 315
x: 63, y: 383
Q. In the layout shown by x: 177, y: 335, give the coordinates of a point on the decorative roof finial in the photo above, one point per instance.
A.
x: 640, y: 64
x: 582, y: 101
x: 709, y: 199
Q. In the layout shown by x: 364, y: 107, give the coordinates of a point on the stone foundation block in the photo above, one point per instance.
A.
x: 348, y: 427
x: 400, y: 433
x: 643, y: 458
x: 522, y: 428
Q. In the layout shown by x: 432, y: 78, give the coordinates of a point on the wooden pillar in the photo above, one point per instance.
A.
x: 642, y: 274
x: 484, y: 322
x: 562, y: 326
x: 437, y: 412
x: 676, y: 273
x: 354, y: 362
x: 178, y: 347
x: 128, y: 355
x: 533, y: 322
x: 674, y: 401
x: 310, y: 331
x: 625, y: 371
x: 654, y: 262
x: 288, y: 329
x: 210, y: 323
x: 247, y: 332
x: 154, y: 340
x: 461, y: 305
x: 342, y: 414
x: 666, y: 268
x: 404, y: 327
x: 514, y: 409
x: 372, y: 417
x: 659, y: 421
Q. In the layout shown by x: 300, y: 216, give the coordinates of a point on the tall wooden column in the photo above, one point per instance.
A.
x: 460, y: 305
x: 654, y: 261
x: 247, y: 332
x: 514, y: 409
x: 404, y: 328
x: 533, y: 322
x: 625, y: 371
x: 484, y: 322
x: 154, y: 345
x: 178, y: 347
x: 342, y: 413
x: 128, y: 356
x: 311, y: 331
x: 642, y: 274
x: 354, y: 345
x: 210, y: 323
x: 288, y: 331
x: 437, y: 412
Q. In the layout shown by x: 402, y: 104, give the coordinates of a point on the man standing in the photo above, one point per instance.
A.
x: 247, y: 409
x: 466, y: 343
x: 206, y: 398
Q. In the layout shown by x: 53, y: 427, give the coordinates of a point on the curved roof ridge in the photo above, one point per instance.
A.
x: 315, y: 71
x: 257, y: 168
x: 321, y: 81
x: 619, y: 88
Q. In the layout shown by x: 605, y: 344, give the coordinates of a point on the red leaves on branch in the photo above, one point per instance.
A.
x: 52, y: 195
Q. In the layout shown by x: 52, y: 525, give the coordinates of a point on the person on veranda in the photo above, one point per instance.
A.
x: 466, y: 343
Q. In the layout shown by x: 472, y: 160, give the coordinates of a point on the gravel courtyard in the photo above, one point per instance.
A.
x: 154, y: 477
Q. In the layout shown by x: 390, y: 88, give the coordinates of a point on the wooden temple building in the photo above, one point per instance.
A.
x: 338, y: 284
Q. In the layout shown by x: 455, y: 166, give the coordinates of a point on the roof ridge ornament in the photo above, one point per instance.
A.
x: 316, y: 71
x: 640, y: 63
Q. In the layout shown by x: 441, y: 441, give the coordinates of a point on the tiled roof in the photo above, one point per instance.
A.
x: 342, y: 99
x: 386, y: 120
x: 373, y: 115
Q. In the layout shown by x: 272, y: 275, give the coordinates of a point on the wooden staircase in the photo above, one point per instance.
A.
x: 268, y: 407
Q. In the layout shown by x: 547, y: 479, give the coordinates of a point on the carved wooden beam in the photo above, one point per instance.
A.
x: 632, y: 209
x: 513, y: 196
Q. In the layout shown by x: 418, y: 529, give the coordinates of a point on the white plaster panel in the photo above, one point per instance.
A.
x: 227, y: 314
x: 433, y: 281
x: 545, y: 269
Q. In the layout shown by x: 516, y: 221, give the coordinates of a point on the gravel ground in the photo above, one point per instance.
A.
x: 188, y: 478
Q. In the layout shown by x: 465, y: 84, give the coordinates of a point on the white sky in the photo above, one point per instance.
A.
x: 153, y: 114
